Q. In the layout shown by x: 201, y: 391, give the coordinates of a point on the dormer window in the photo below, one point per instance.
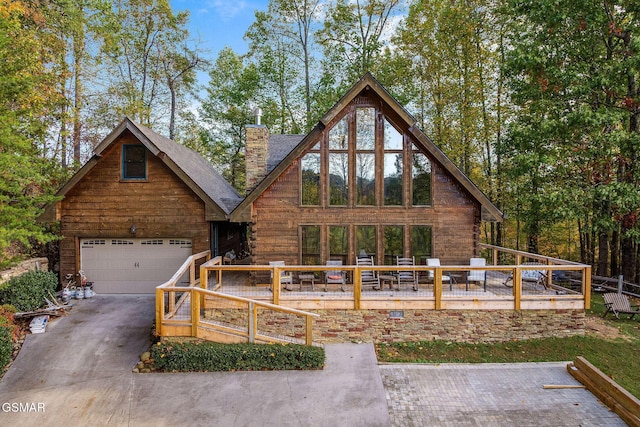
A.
x: 134, y: 162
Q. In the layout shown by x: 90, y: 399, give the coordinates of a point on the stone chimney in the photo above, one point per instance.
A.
x: 256, y: 153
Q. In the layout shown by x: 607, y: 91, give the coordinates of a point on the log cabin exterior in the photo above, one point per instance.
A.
x: 364, y: 180
x: 141, y: 192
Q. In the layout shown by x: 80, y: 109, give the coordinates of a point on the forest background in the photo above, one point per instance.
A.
x: 537, y: 101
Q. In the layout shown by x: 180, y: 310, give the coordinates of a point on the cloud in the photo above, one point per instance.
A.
x: 227, y: 9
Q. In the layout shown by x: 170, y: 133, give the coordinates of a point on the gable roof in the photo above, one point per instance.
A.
x: 489, y: 211
x: 198, y: 174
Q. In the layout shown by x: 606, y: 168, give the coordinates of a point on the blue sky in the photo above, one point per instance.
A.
x: 220, y: 23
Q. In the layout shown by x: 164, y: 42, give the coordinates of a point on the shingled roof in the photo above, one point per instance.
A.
x: 219, y: 196
x: 279, y: 147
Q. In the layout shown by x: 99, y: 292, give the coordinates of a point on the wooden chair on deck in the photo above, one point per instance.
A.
x: 368, y: 277
x: 334, y: 276
x: 619, y: 304
x: 407, y: 277
x: 286, y: 278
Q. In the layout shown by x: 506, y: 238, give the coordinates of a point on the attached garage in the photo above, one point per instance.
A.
x: 131, y: 266
x: 138, y: 209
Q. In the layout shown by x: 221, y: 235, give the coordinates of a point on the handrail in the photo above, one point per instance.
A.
x: 355, y: 270
x: 523, y: 254
x: 197, y: 297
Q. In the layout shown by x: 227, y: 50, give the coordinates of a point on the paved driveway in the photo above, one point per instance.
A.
x: 78, y: 373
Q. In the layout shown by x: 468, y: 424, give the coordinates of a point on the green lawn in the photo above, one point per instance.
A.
x: 617, y: 357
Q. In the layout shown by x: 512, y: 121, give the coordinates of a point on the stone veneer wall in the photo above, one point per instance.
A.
x: 25, y: 266
x: 335, y: 326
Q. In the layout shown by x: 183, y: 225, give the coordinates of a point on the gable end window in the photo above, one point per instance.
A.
x: 134, y: 162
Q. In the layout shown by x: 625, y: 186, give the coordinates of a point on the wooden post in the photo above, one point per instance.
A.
x: 308, y: 323
x: 252, y: 322
x: 586, y: 287
x: 517, y: 288
x: 159, y: 310
x: 204, y: 277
x: 195, y: 311
x: 275, y: 285
x: 357, y: 288
x: 495, y: 256
x: 192, y: 272
x: 437, y: 287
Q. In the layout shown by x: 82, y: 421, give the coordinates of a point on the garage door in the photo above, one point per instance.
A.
x: 132, y: 266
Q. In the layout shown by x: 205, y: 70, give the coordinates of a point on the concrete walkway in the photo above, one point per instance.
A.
x: 79, y: 373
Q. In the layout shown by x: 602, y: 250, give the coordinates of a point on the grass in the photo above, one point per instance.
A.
x: 616, y: 357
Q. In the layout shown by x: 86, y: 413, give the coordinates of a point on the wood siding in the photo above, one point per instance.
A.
x: 103, y: 205
x: 277, y: 215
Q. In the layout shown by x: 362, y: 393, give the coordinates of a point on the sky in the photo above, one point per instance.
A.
x: 219, y: 23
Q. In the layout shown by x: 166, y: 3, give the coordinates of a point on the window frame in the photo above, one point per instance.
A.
x: 124, y: 161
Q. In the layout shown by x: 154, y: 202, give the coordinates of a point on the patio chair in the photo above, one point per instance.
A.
x: 368, y: 277
x: 407, y: 277
x: 334, y: 276
x: 619, y: 304
x: 477, y: 275
x: 286, y: 278
x: 435, y: 262
x: 537, y: 277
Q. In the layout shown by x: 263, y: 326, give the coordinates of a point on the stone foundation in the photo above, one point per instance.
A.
x: 335, y: 326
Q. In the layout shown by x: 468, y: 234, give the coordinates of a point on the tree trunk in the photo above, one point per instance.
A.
x: 615, y: 253
x: 603, y: 254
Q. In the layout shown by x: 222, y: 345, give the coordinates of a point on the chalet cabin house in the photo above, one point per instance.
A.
x: 365, y: 180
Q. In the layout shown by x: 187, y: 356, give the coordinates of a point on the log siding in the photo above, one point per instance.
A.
x: 277, y: 214
x: 104, y: 205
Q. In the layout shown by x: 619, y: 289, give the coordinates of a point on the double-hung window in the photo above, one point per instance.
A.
x: 134, y: 162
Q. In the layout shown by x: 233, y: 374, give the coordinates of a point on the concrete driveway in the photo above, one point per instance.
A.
x: 79, y: 373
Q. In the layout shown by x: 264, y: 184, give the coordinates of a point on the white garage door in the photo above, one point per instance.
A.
x: 131, y: 266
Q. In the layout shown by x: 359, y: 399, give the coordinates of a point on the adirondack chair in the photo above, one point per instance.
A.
x: 619, y: 304
x: 368, y: 277
x: 407, y: 277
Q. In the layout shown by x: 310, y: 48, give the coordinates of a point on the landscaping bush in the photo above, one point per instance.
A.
x: 28, y: 291
x: 209, y: 356
x: 8, y: 331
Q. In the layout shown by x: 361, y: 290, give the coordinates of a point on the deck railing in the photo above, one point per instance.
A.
x: 180, y: 310
x: 458, y: 293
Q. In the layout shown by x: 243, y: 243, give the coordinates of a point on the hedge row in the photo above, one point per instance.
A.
x: 28, y: 291
x: 210, y: 356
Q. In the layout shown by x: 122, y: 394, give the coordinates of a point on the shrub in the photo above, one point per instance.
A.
x: 28, y: 291
x: 209, y: 356
x: 8, y: 331
x: 6, y: 346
